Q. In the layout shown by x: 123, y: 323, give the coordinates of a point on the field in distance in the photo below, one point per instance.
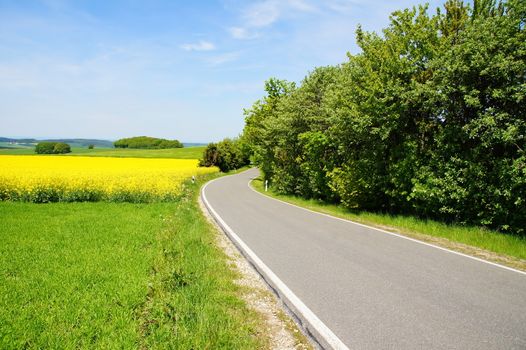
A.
x: 195, y: 152
x: 69, y: 179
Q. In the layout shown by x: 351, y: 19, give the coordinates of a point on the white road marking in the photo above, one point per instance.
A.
x: 305, y: 313
x: 391, y: 233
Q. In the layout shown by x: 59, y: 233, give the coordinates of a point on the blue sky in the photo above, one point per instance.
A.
x: 175, y: 69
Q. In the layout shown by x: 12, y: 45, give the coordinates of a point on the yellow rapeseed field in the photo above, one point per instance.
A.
x: 68, y: 179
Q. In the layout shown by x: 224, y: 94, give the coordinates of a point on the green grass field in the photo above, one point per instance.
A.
x: 17, y: 151
x: 7, y: 145
x: 106, y: 275
x: 492, y: 241
x: 179, y: 153
x: 31, y: 151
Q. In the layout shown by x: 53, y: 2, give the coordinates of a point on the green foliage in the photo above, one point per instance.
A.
x: 64, y: 284
x: 227, y: 155
x: 422, y: 229
x: 91, y: 146
x: 427, y: 119
x: 194, y: 152
x: 118, y: 276
x: 45, y: 147
x: 61, y: 148
x: 146, y: 142
x: 52, y: 148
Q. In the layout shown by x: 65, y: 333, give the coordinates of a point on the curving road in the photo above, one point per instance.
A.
x: 372, y: 289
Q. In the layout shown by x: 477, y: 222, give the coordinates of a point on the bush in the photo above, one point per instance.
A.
x: 45, y: 148
x: 226, y: 155
x: 61, y: 148
x: 210, y: 155
x: 52, y: 148
x: 91, y: 146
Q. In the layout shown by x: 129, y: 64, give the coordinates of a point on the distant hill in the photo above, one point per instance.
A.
x: 7, y: 142
x: 85, y: 142
x: 20, y: 143
x: 194, y: 144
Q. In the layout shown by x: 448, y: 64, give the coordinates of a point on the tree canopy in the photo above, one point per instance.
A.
x: 52, y: 148
x: 228, y: 154
x: 427, y: 119
x: 146, y: 142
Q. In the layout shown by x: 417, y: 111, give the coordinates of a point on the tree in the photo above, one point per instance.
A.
x: 476, y: 172
x: 52, y: 148
x: 210, y: 155
x: 226, y: 155
x: 427, y: 119
x: 259, y: 131
x: 45, y: 147
x: 61, y: 148
x: 146, y: 142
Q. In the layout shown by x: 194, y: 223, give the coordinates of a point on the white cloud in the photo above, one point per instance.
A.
x: 262, y: 14
x: 242, y: 33
x: 223, y: 58
x: 265, y: 13
x: 344, y: 6
x: 200, y: 46
x: 301, y: 5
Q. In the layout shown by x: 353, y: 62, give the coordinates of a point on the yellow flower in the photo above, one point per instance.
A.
x: 57, y: 178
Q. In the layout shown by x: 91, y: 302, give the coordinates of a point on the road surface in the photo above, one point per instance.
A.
x: 374, y: 290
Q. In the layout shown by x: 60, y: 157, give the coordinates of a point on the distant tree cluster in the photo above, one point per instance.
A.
x: 145, y: 142
x: 227, y: 155
x: 52, y: 148
x: 428, y: 119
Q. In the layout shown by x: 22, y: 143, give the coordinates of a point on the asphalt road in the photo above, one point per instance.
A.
x: 372, y: 289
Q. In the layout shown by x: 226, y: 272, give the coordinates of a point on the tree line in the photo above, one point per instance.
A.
x: 428, y: 119
x: 228, y: 154
x: 47, y: 147
x: 146, y: 142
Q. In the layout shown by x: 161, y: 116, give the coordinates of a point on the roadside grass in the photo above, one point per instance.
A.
x: 510, y: 249
x: 195, y: 152
x: 118, y: 275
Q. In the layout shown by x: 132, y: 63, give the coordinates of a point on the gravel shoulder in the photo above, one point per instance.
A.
x: 279, y: 327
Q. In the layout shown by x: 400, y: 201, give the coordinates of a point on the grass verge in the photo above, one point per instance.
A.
x: 487, y: 244
x: 108, y: 275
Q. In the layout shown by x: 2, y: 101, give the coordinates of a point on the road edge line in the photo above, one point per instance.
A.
x: 317, y: 329
x: 391, y: 233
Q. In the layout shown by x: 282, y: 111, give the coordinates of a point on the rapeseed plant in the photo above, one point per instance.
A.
x: 42, y: 179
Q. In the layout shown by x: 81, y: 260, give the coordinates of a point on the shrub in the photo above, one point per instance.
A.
x: 52, y: 148
x: 226, y: 155
x: 45, y: 147
x: 91, y: 146
x: 61, y: 148
x: 210, y: 155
